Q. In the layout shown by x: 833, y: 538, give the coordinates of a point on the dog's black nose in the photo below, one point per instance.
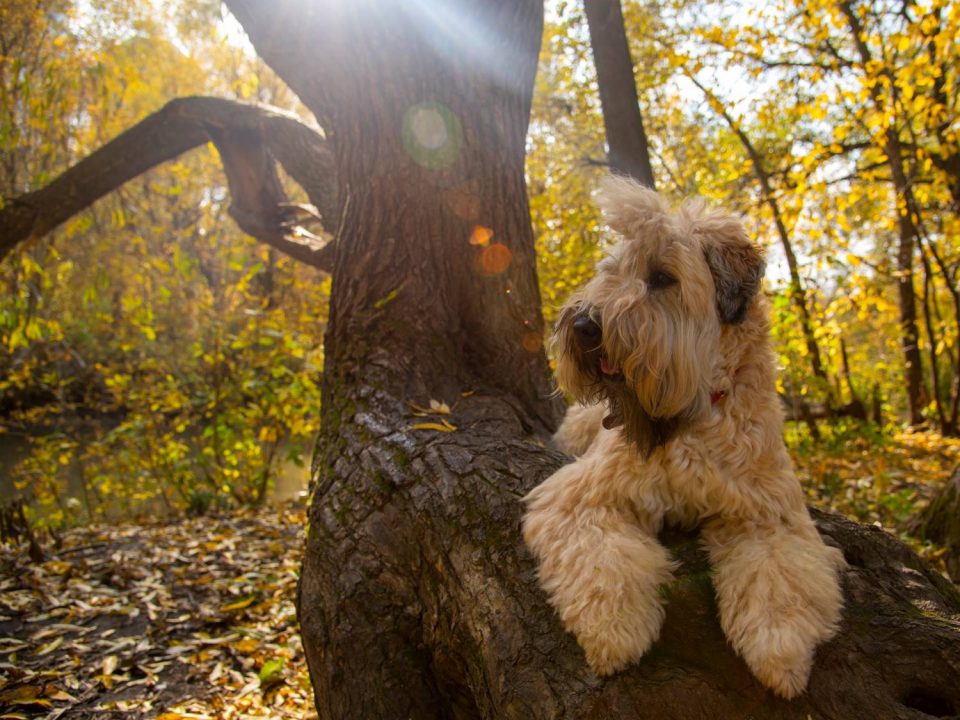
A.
x: 588, y: 333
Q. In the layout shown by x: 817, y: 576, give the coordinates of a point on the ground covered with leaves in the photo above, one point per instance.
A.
x: 884, y: 478
x: 195, y: 618
x: 188, y: 619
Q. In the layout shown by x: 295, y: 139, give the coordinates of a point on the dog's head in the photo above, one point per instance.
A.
x: 643, y: 334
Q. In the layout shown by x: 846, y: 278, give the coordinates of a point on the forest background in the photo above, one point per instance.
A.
x: 155, y: 359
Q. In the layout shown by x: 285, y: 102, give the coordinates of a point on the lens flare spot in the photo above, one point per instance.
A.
x: 481, y: 235
x: 495, y: 259
x: 428, y: 128
x: 431, y: 134
x: 531, y: 342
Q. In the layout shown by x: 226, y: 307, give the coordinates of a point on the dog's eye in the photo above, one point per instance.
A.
x: 660, y: 280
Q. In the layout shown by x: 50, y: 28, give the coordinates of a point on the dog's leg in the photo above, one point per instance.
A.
x: 579, y: 428
x: 779, y: 594
x: 600, y: 569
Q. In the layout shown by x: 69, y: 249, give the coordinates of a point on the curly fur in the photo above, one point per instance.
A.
x: 680, y: 423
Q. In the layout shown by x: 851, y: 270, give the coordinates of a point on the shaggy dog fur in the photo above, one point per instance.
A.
x: 669, y: 348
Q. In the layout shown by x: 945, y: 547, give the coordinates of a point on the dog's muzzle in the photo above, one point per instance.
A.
x: 587, y: 332
x: 589, y: 338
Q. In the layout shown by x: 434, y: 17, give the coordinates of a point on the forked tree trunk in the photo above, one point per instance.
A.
x: 417, y: 598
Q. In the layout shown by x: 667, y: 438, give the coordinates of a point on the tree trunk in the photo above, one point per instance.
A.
x: 909, y: 330
x: 417, y: 597
x: 629, y: 152
x: 940, y: 523
x: 419, y: 600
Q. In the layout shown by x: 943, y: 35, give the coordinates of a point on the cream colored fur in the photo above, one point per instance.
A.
x: 593, y: 524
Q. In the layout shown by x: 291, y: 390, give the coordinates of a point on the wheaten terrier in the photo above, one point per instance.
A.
x: 670, y: 342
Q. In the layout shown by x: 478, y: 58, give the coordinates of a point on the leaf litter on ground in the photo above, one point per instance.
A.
x: 181, y: 619
x: 883, y: 478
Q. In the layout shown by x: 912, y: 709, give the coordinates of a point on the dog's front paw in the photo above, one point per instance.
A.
x: 612, y: 645
x: 786, y: 675
x: 606, y: 660
x: 602, y: 663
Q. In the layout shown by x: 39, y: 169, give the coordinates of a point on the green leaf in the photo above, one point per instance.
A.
x: 270, y: 672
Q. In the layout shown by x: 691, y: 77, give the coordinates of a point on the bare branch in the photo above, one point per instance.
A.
x: 250, y: 139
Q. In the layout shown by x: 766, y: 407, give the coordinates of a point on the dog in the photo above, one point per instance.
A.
x: 668, y: 351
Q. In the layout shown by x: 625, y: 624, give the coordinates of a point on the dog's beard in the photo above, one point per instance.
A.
x: 646, y: 432
x: 598, y: 383
x: 650, y: 414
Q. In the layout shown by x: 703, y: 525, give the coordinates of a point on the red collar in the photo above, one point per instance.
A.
x: 718, y: 395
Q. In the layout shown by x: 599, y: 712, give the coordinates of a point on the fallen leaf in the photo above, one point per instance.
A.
x: 24, y: 692
x: 439, y: 408
x: 246, y: 646
x: 50, y: 647
x: 238, y: 604
x: 55, y: 693
x: 439, y: 427
x: 435, y: 407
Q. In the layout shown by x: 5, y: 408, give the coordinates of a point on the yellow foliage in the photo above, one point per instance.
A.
x: 198, y: 349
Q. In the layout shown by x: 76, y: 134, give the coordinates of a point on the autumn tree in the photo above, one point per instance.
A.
x: 629, y: 151
x: 179, y: 370
x: 876, y: 84
x: 417, y: 598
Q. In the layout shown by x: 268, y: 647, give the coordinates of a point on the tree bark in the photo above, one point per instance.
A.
x: 250, y: 139
x: 426, y: 105
x: 629, y: 151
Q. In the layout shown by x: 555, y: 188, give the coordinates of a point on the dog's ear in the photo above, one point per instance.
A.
x: 629, y: 207
x: 736, y: 264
